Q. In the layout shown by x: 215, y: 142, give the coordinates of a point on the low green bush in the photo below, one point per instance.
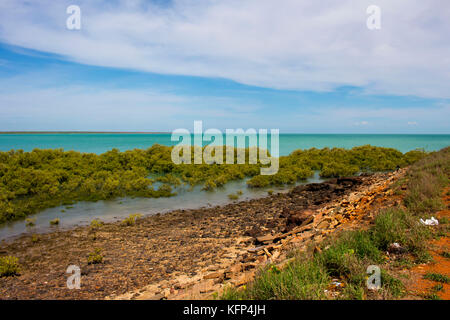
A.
x: 9, y: 266
x: 96, y: 224
x: 233, y: 196
x: 131, y: 219
x: 95, y: 257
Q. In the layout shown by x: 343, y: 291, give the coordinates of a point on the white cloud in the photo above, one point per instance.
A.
x: 412, y: 123
x: 29, y: 104
x: 293, y: 44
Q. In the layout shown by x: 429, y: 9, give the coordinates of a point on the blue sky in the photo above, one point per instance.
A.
x: 157, y: 66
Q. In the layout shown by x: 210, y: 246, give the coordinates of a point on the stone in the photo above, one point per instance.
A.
x: 323, y: 225
x: 275, y: 255
x: 299, y: 218
x: 213, y: 275
x: 268, y: 238
x: 262, y: 259
x: 255, y: 250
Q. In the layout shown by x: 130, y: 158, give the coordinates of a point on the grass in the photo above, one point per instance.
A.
x: 131, y: 219
x: 9, y: 266
x: 426, y: 180
x: 35, y: 238
x: 438, y: 287
x: 30, y: 222
x: 432, y: 295
x: 347, y: 256
x: 397, y: 225
x: 438, y: 277
x: 298, y: 280
x: 54, y: 222
x: 391, y: 285
x: 404, y: 262
x: 306, y: 277
x: 95, y: 257
x: 444, y: 220
x: 233, y: 196
x: 445, y: 254
x: 96, y: 224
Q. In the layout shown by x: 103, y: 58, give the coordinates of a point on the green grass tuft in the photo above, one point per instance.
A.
x: 131, y: 219
x: 438, y: 277
x: 95, y: 257
x: 9, y: 266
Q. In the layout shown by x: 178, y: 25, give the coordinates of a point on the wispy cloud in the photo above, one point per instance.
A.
x: 303, y: 45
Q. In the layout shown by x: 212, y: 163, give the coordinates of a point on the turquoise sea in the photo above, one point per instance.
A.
x: 101, y: 142
x: 82, y: 213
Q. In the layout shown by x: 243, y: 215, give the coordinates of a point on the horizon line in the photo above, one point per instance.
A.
x: 166, y: 132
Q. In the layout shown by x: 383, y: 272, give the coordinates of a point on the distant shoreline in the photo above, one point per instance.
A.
x: 79, y: 132
x: 162, y: 132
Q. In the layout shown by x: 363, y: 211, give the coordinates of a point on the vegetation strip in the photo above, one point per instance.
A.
x: 32, y: 181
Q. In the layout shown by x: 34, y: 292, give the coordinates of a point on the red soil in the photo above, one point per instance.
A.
x: 420, y: 286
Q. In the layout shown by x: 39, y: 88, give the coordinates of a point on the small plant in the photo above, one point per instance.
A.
x: 239, y: 193
x: 54, y: 222
x: 393, y: 285
x: 95, y: 257
x: 9, y: 266
x: 445, y: 254
x: 437, y: 277
x: 35, y: 238
x: 437, y: 288
x: 62, y: 211
x: 131, y: 219
x: 96, y: 224
x: 233, y: 196
x: 444, y: 220
x: 274, y: 269
x: 270, y: 192
x: 432, y: 296
x: 30, y: 222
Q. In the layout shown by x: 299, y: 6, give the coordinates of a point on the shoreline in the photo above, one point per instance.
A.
x: 81, y: 132
x: 112, y: 204
x: 167, y: 132
x: 176, y: 251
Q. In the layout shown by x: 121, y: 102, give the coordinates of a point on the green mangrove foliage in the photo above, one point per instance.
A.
x: 32, y: 181
x: 335, y: 162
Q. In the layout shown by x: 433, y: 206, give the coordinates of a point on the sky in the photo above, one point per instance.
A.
x: 293, y: 65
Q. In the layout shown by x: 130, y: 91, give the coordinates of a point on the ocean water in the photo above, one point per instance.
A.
x: 101, y: 142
